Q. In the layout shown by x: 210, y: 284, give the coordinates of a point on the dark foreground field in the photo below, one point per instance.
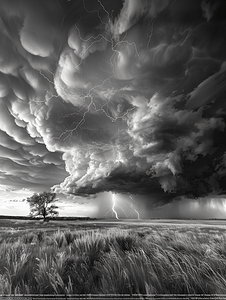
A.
x: 113, y: 257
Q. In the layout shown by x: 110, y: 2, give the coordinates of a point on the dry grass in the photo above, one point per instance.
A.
x: 154, y: 259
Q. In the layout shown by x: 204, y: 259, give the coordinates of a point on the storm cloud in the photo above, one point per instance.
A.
x: 122, y: 96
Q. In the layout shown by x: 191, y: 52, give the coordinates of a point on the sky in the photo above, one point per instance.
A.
x: 107, y: 102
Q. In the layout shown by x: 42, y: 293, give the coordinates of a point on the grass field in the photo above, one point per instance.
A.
x: 123, y: 257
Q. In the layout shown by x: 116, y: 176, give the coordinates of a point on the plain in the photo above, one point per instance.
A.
x: 113, y: 257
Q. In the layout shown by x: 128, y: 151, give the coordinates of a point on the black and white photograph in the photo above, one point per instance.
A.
x: 112, y: 149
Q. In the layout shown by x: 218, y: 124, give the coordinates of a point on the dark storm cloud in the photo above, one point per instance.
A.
x: 123, y: 96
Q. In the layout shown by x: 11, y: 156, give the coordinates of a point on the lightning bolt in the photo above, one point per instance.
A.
x: 114, y: 43
x: 138, y: 214
x: 149, y: 37
x: 88, y: 97
x: 113, y: 206
x: 123, y: 211
x: 44, y: 76
x: 113, y: 211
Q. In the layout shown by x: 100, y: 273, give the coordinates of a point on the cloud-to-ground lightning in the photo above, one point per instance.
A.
x: 113, y: 206
x: 138, y: 214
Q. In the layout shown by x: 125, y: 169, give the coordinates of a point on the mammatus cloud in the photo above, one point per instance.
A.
x: 123, y: 96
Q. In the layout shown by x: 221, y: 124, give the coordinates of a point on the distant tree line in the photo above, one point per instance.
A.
x: 41, y: 218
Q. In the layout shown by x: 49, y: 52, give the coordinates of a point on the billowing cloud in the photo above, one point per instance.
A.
x: 122, y: 96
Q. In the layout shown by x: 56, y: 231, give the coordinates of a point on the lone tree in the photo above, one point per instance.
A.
x: 41, y: 205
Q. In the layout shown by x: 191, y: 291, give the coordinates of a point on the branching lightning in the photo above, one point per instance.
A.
x: 93, y: 91
x: 117, y: 44
x: 115, y: 205
x: 113, y: 211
